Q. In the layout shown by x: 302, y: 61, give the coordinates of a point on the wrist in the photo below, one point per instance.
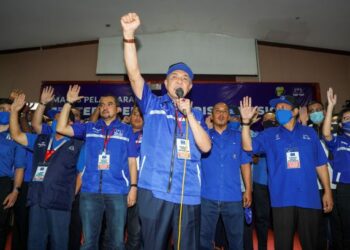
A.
x: 16, y: 190
x: 42, y: 103
x: 69, y: 102
x: 133, y: 186
x: 128, y: 35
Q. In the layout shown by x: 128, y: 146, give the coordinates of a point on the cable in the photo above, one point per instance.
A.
x: 182, y: 194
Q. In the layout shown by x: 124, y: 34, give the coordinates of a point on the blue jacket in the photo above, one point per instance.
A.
x: 157, y: 149
x: 120, y: 147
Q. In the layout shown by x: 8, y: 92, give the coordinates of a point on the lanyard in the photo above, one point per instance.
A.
x: 107, y: 138
x: 50, y: 152
x: 179, y: 123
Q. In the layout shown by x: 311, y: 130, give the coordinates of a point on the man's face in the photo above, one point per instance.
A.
x: 76, y: 114
x: 346, y: 117
x: 221, y: 114
x: 315, y: 107
x: 136, y: 119
x: 178, y: 79
x: 108, y: 107
x: 5, y: 107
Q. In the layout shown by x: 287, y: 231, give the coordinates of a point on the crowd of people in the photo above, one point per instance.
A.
x: 166, y: 177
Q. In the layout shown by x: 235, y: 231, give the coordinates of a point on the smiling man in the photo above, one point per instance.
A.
x: 174, y: 136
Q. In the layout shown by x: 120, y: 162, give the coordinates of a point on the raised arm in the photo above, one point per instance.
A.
x: 130, y: 22
x: 15, y: 130
x: 46, y: 97
x: 62, y: 124
x: 247, y: 112
x: 332, y: 101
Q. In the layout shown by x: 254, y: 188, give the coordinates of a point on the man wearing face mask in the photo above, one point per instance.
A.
x: 295, y: 158
x: 261, y: 196
x: 330, y: 223
x: 12, y: 166
x: 339, y: 145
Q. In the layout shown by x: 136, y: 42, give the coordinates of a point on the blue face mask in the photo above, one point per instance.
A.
x: 346, y: 126
x: 234, y: 125
x: 317, y: 117
x: 283, y: 116
x: 4, y: 118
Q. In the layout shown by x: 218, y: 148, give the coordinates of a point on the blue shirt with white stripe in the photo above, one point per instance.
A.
x: 340, y: 148
x: 120, y: 147
x: 157, y: 148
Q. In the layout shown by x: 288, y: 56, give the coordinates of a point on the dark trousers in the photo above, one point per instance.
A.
x: 343, y: 206
x: 262, y: 213
x: 336, y: 242
x: 5, y: 189
x: 288, y: 220
x: 48, y: 226
x: 21, y: 220
x: 133, y: 228
x: 75, y: 227
x: 159, y: 218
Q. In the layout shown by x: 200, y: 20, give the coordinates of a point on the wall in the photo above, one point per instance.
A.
x: 26, y: 70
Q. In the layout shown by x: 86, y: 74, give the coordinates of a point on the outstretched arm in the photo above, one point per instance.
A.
x: 247, y: 112
x: 15, y: 130
x: 46, y: 97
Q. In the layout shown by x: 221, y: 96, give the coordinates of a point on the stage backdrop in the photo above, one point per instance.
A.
x: 203, y: 94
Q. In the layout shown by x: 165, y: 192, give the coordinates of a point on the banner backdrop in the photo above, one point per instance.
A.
x: 204, y: 94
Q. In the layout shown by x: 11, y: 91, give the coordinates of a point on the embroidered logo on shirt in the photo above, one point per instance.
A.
x: 41, y: 145
x: 118, y: 132
x: 96, y: 130
x: 277, y: 137
x: 306, y: 137
x: 71, y: 148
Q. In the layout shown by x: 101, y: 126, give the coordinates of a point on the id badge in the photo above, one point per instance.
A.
x: 104, y: 161
x: 293, y: 159
x: 40, y: 173
x: 183, y: 149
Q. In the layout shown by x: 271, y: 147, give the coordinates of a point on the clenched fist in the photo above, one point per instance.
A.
x: 130, y: 22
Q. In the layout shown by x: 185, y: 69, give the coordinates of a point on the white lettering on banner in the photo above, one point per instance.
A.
x: 59, y: 99
x: 126, y: 99
x: 90, y: 99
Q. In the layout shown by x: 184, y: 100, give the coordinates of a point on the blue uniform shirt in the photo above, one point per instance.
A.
x: 296, y: 186
x: 340, y: 148
x: 12, y: 155
x: 29, y: 166
x: 260, y: 171
x: 156, y: 151
x: 120, y: 147
x: 221, y: 166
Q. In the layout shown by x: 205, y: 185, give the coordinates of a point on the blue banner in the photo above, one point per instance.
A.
x: 203, y: 95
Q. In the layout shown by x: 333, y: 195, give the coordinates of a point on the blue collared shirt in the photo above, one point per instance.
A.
x: 157, y: 147
x: 221, y: 166
x: 12, y: 155
x: 297, y: 186
x: 340, y: 148
x: 120, y: 147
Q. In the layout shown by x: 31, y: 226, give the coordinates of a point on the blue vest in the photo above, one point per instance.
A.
x: 56, y: 191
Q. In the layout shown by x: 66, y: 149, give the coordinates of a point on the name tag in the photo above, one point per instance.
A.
x: 183, y: 149
x: 104, y: 161
x: 293, y: 159
x: 40, y: 173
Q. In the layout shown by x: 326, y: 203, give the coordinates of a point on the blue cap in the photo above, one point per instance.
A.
x: 180, y: 66
x: 52, y: 113
x: 283, y: 99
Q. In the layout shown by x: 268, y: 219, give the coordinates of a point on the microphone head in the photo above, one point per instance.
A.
x: 179, y: 92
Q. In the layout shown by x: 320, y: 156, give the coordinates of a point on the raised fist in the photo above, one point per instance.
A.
x: 130, y: 22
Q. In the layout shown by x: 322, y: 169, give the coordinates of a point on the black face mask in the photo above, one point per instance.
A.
x: 269, y: 124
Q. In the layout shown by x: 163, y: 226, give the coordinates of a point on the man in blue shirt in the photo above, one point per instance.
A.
x: 52, y: 189
x: 339, y: 145
x: 221, y: 183
x: 110, y: 159
x: 12, y: 164
x: 174, y: 136
x: 261, y: 196
x: 294, y: 159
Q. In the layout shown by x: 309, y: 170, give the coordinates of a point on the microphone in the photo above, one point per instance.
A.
x: 180, y: 94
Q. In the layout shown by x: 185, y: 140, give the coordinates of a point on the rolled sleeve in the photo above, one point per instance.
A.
x: 31, y: 138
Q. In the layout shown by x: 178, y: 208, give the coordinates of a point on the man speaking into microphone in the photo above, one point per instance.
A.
x: 174, y: 136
